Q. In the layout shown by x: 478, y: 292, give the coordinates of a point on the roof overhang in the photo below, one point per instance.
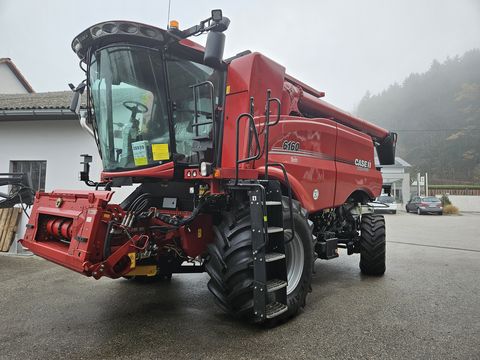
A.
x: 37, y: 115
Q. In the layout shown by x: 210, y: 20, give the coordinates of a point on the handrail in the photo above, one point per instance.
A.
x: 267, y: 126
x: 237, y: 136
x: 195, y: 123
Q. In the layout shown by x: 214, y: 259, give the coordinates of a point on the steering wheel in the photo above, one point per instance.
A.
x: 135, y: 107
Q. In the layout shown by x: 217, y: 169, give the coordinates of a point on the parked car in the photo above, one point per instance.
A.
x: 425, y: 205
x: 384, y: 204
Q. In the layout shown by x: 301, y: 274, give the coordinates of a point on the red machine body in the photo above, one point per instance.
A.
x: 63, y: 225
x: 335, y: 152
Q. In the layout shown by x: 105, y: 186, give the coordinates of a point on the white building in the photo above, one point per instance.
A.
x: 39, y: 135
x: 399, y: 178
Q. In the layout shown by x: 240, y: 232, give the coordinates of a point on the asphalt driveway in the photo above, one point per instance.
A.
x: 426, y: 306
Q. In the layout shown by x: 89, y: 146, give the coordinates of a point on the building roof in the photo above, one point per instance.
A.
x: 47, y: 100
x: 37, y: 106
x: 17, y: 73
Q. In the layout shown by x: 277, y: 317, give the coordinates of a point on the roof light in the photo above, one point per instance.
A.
x: 173, y: 24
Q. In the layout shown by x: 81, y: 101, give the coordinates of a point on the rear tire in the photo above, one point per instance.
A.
x: 372, y: 245
x: 230, y: 263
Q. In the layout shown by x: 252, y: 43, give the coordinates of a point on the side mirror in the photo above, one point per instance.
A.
x: 214, y: 49
x: 386, y: 149
x: 77, y: 98
x: 216, y: 39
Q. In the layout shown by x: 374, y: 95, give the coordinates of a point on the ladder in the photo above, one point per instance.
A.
x: 268, y: 249
x: 266, y: 213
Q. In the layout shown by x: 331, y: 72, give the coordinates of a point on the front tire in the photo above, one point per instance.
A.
x: 419, y: 212
x: 372, y: 245
x: 230, y: 264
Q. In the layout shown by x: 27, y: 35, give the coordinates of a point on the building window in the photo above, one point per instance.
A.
x: 35, y: 169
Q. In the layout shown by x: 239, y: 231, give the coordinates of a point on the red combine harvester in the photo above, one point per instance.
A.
x: 244, y: 172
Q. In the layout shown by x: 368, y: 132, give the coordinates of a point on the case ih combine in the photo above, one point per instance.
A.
x: 244, y: 172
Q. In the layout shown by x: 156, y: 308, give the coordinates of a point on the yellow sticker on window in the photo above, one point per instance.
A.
x: 160, y: 152
x: 140, y: 161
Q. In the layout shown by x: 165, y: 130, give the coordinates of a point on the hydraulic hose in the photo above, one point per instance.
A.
x: 181, y: 222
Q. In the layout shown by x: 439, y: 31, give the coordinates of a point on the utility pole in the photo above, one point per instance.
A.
x: 426, y: 184
x: 418, y: 184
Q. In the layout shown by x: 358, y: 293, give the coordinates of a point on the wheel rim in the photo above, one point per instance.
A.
x: 418, y: 211
x: 295, y: 260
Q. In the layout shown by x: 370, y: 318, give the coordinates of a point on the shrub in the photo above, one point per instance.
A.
x: 445, y: 200
x: 450, y: 209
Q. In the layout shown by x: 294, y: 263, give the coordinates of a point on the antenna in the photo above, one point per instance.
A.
x: 168, y: 16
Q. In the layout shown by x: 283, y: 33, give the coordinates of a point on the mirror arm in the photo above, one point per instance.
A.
x: 209, y: 24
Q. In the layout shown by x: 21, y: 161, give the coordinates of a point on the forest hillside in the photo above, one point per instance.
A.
x: 437, y: 117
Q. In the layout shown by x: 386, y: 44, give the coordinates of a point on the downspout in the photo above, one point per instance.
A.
x: 84, y: 125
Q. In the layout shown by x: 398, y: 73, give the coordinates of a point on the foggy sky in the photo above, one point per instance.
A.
x: 342, y: 47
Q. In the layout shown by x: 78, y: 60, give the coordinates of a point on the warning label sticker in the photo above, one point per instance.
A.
x: 160, y: 152
x: 140, y: 156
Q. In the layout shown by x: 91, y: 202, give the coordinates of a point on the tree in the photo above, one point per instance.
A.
x: 437, y: 116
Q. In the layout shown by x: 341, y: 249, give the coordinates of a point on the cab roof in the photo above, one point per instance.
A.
x: 116, y: 31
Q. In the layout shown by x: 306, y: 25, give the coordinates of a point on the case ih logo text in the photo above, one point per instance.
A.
x: 363, y: 163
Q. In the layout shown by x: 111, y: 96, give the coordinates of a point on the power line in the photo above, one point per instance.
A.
x: 432, y: 130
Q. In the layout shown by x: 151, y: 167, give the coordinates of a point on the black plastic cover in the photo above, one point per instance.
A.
x: 386, y: 149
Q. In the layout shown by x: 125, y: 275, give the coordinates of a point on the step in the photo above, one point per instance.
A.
x: 274, y: 257
x: 275, y: 284
x: 274, y: 229
x: 274, y: 309
x: 273, y: 203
